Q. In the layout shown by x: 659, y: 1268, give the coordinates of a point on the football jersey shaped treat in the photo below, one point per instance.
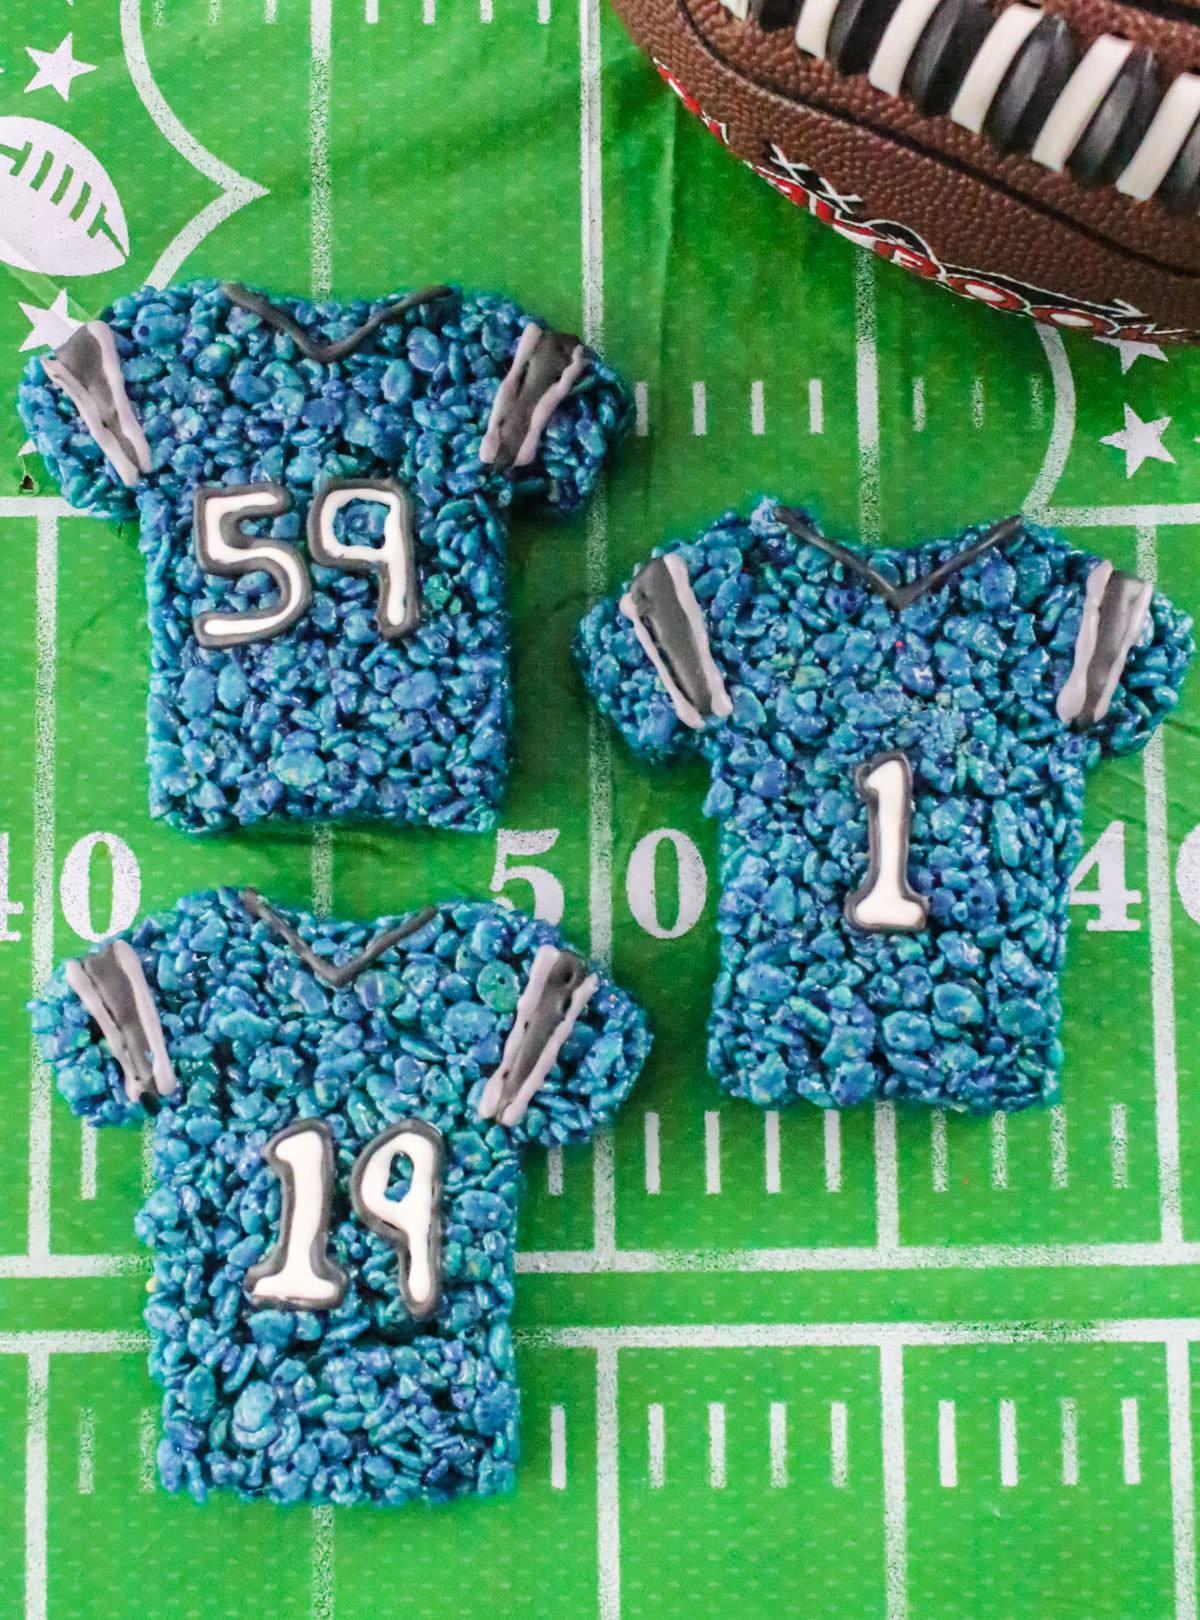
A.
x: 898, y: 741
x: 339, y: 1112
x: 323, y: 492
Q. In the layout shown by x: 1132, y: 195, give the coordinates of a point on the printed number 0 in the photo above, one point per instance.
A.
x: 75, y: 886
x: 641, y: 889
x: 1187, y: 874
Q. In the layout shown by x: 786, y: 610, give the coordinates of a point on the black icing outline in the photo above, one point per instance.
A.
x: 394, y: 1235
x: 348, y: 565
x: 318, y: 1257
x: 235, y: 537
x: 345, y: 974
x: 326, y: 354
x: 870, y: 798
x: 898, y: 597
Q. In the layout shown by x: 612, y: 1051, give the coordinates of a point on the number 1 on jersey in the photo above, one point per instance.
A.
x: 886, y: 902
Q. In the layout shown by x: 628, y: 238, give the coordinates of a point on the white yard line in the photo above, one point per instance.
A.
x: 1009, y: 1470
x: 656, y: 1445
x: 1118, y: 1117
x: 887, y: 1179
x: 87, y: 1162
x: 903, y: 1257
x: 712, y: 1152
x: 777, y: 1439
x: 758, y: 408
x: 1162, y: 967
x: 839, y: 1445
x: 866, y: 361
x: 1183, y: 1484
x: 641, y: 409
x: 816, y: 406
x: 1059, y: 1172
x: 37, y: 1423
x: 895, y: 1486
x: 558, y: 1448
x: 699, y: 410
x: 554, y: 1171
x: 833, y: 1150
x: 771, y: 1167
x: 147, y: 1445
x: 322, y: 1600
x: 947, y: 1446
x: 939, y: 1151
x: 1070, y: 1442
x: 716, y: 1445
x: 1131, y: 1450
x: 1000, y: 1151
x: 608, y: 1488
x: 86, y: 1482
x: 320, y: 172
x: 652, y: 1155
x: 45, y: 674
x: 856, y: 1335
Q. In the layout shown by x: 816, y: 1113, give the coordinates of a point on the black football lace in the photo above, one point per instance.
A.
x: 1018, y: 77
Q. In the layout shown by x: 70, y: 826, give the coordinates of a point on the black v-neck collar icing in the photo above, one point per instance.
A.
x: 898, y: 597
x: 338, y: 976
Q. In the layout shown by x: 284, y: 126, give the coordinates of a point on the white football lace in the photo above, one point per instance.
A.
x: 1069, y: 116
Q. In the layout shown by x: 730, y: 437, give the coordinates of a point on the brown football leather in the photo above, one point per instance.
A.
x: 1002, y: 228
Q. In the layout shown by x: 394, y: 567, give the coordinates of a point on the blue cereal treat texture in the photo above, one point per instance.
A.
x: 327, y: 720
x: 822, y: 675
x: 360, y: 1402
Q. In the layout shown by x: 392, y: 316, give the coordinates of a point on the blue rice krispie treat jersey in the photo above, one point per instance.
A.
x: 358, y: 664
x: 339, y: 1113
x: 898, y: 741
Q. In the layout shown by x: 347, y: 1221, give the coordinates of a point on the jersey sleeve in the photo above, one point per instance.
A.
x: 572, y: 1046
x: 100, y: 408
x: 555, y: 412
x: 647, y: 653
x: 99, y: 1026
x: 1122, y: 651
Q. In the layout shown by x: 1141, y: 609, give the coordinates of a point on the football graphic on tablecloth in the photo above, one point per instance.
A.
x: 1041, y: 161
x: 61, y: 213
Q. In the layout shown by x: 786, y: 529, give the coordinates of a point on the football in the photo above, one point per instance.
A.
x: 1041, y: 161
x: 61, y: 212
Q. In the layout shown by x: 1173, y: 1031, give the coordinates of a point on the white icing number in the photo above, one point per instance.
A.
x: 410, y: 1223
x: 299, y: 1271
x: 886, y: 901
x: 392, y: 561
x: 223, y: 547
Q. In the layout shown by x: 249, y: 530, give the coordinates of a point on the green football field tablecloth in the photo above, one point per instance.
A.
x: 847, y: 1367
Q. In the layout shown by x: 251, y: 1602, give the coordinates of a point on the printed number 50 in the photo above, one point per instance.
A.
x: 640, y: 879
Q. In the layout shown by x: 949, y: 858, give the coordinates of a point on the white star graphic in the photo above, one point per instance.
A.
x: 1130, y: 352
x: 1140, y: 441
x: 50, y: 327
x: 56, y: 68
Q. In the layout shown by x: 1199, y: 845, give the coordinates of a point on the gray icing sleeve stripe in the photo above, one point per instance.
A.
x: 112, y: 985
x: 544, y: 369
x: 668, y: 622
x: 88, y: 370
x: 558, y: 989
x: 1114, y: 612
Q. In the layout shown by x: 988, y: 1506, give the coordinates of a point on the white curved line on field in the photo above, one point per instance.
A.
x: 1062, y: 431
x: 236, y: 190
